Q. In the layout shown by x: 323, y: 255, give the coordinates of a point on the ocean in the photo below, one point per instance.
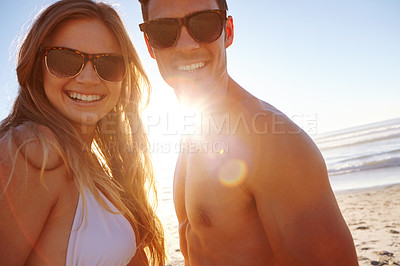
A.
x: 362, y: 156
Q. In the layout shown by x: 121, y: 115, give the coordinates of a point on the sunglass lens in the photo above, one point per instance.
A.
x: 162, y: 34
x: 64, y: 63
x: 206, y: 27
x: 111, y: 68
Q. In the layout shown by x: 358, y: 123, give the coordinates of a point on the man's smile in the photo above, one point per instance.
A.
x: 191, y: 67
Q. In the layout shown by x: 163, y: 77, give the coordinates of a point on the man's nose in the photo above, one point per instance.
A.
x: 186, y: 41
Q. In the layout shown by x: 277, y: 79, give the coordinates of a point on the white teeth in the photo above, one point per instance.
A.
x: 191, y: 67
x: 83, y: 97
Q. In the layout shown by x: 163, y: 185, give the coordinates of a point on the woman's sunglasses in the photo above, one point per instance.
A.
x: 204, y: 26
x: 68, y: 63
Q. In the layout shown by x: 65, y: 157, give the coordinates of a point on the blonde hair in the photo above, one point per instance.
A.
x: 118, y: 163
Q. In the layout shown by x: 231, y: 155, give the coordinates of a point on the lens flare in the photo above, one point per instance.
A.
x: 232, y: 173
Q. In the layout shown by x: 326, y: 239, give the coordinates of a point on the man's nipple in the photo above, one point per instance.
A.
x: 205, y: 220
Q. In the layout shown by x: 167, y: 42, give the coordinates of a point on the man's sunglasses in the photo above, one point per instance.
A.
x: 68, y: 63
x: 204, y: 26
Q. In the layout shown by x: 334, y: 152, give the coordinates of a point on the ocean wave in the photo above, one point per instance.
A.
x: 356, y: 166
x: 358, y: 131
x: 356, y: 134
x: 364, y: 157
x: 354, y: 142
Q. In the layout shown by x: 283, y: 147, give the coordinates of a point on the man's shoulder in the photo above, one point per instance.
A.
x: 262, y: 120
x: 286, y: 152
x: 277, y: 134
x: 277, y: 141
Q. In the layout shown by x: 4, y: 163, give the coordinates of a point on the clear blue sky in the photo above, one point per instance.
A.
x: 337, y: 59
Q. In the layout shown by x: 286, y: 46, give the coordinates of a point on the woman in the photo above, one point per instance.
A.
x: 75, y: 168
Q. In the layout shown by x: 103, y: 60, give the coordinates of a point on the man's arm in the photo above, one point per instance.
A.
x: 296, y: 204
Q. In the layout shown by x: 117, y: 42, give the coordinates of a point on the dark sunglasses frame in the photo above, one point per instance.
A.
x: 184, y: 22
x: 86, y: 58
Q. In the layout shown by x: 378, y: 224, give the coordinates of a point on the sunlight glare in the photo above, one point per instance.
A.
x: 232, y: 173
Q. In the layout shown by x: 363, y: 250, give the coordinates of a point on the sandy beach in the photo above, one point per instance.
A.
x: 373, y: 216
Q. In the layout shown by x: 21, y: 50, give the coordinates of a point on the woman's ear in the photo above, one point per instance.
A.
x: 149, y: 48
x: 229, y: 32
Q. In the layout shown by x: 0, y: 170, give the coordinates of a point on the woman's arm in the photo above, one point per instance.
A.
x: 26, y: 201
x: 140, y: 259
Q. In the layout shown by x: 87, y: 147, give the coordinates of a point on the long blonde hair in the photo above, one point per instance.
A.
x: 118, y: 163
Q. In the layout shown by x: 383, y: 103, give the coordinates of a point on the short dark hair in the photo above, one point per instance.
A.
x: 221, y: 5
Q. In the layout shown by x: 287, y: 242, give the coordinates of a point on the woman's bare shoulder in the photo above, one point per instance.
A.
x: 39, y: 145
x: 5, y: 156
x: 27, y: 194
x: 26, y: 151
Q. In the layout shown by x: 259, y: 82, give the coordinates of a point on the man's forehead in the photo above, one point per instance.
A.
x: 178, y: 8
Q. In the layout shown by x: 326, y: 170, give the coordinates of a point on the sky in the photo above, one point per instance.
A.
x: 329, y: 64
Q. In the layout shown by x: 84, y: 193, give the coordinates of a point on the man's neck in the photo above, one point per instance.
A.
x: 219, y: 100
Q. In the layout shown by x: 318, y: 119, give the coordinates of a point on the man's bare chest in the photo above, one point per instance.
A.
x: 211, y: 192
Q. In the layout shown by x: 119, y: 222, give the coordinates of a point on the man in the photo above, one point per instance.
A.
x: 263, y: 197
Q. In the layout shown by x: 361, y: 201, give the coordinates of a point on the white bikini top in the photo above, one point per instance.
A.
x: 100, y: 237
